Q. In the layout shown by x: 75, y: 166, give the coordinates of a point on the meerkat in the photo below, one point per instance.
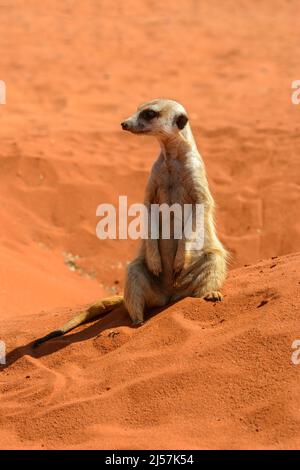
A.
x: 167, y: 270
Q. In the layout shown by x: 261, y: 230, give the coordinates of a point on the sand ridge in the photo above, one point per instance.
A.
x: 195, y: 375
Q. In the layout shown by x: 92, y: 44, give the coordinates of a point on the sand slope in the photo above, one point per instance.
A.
x: 196, y: 375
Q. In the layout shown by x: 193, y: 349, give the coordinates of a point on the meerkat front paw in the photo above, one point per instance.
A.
x: 154, y: 265
x: 214, y: 296
x: 137, y: 318
x: 136, y: 313
x: 137, y: 322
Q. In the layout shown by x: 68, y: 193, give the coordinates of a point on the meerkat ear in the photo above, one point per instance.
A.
x: 181, y: 121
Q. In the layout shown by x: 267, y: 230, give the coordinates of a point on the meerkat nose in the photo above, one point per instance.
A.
x: 125, y: 125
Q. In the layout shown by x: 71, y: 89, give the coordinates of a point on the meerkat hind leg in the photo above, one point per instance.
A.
x: 141, y: 292
x: 211, y: 278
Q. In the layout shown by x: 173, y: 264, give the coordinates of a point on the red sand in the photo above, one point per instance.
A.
x: 73, y: 71
x: 196, y: 375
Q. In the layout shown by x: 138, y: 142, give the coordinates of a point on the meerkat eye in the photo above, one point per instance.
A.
x: 148, y: 114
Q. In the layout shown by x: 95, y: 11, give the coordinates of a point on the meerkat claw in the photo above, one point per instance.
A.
x: 214, y: 296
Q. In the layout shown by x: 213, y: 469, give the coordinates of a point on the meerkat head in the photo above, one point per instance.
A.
x: 160, y: 118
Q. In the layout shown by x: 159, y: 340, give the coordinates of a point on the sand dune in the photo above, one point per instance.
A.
x: 196, y: 375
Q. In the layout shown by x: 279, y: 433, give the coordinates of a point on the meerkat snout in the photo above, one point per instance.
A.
x: 125, y: 126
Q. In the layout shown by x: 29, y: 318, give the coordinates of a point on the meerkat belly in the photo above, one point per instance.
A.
x: 171, y: 198
x: 167, y: 249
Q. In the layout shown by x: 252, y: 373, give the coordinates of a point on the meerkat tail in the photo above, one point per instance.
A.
x: 95, y: 310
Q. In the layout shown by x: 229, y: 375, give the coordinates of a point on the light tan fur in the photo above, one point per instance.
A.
x: 167, y: 270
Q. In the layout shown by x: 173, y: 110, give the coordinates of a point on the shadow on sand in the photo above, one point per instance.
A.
x: 114, y: 319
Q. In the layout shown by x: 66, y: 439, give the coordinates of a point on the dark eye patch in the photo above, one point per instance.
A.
x: 148, y: 114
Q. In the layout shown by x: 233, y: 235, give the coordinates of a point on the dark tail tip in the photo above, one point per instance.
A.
x: 53, y: 334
